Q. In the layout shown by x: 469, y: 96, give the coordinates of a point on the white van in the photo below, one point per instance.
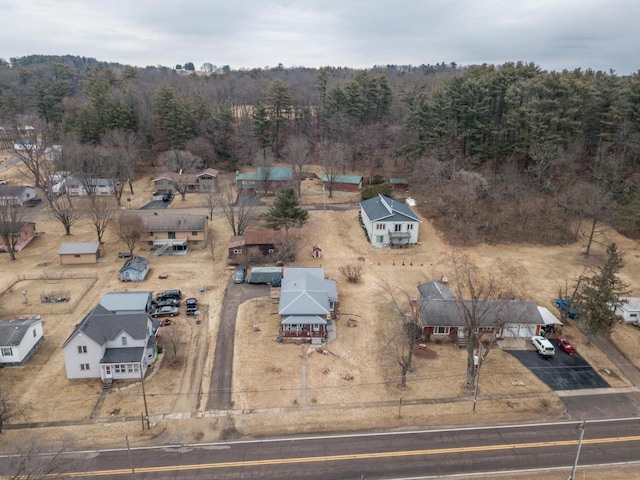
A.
x: 543, y: 346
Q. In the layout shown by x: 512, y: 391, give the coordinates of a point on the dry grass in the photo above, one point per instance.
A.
x: 270, y: 377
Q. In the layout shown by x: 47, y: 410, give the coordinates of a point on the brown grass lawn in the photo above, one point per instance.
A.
x: 351, y: 386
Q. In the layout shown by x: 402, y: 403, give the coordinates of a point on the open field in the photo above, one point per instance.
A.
x: 286, y: 388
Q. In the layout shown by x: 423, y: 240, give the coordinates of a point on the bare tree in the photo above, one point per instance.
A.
x: 404, y: 333
x: 210, y: 200
x: 263, y: 164
x: 212, y: 241
x: 100, y: 213
x: 63, y: 210
x: 241, y: 212
x: 483, y: 301
x: 9, y: 409
x: 297, y: 154
x: 332, y: 157
x: 123, y: 151
x: 351, y: 272
x: 130, y: 228
x: 32, y: 146
x: 33, y: 458
x: 12, y: 219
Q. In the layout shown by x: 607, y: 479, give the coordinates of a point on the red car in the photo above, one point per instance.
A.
x: 565, y: 344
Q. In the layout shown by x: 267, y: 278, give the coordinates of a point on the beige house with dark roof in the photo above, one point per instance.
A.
x: 205, y: 181
x: 175, y: 233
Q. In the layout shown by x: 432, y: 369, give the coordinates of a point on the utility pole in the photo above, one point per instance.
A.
x: 144, y: 397
x: 477, y: 360
x: 580, y: 428
x: 133, y: 471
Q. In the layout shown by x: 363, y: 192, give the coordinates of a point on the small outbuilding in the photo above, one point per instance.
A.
x: 629, y: 311
x: 271, y: 275
x: 399, y: 183
x: 134, y: 269
x: 19, y: 338
x: 78, y: 253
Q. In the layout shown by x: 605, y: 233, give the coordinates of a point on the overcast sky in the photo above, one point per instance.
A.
x: 555, y: 34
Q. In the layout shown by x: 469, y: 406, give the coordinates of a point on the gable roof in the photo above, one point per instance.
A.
x: 385, y: 208
x: 78, y: 248
x: 139, y: 264
x: 13, y: 331
x: 630, y: 303
x: 274, y: 174
x: 350, y: 179
x: 257, y: 237
x: 174, y: 222
x: 102, y: 326
x: 13, y: 190
x: 447, y: 313
x: 433, y: 289
x: 311, y: 279
x: 118, y: 301
x: 209, y: 171
x: 305, y: 291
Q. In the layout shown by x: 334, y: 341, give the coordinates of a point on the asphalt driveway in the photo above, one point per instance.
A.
x: 155, y: 205
x: 561, y: 371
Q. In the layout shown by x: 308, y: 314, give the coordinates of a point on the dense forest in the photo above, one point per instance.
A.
x: 496, y: 153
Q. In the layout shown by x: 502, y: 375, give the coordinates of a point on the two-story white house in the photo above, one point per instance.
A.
x: 19, y: 338
x: 388, y: 222
x: 110, y: 346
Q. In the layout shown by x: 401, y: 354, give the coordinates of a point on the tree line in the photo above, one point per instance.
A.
x: 497, y: 152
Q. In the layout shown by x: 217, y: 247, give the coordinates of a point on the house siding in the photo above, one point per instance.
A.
x: 73, y: 360
x: 79, y: 259
x: 28, y: 344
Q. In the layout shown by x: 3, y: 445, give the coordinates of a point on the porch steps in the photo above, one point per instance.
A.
x: 106, y: 384
x: 162, y: 249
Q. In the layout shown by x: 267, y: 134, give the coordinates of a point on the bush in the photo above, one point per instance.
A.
x: 373, y: 191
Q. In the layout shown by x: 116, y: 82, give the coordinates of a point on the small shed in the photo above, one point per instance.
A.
x: 271, y: 275
x: 134, y: 269
x: 629, y: 310
x: 78, y: 253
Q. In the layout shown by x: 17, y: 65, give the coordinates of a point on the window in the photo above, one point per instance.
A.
x: 441, y: 330
x: 7, y: 352
x: 124, y: 341
x: 82, y: 349
x: 151, y: 234
x: 379, y: 238
x: 633, y: 315
x: 380, y: 226
x: 77, y: 256
x: 34, y: 333
x: 195, y: 242
x: 84, y: 366
x: 237, y: 251
x: 409, y: 226
x: 195, y: 234
x: 397, y: 227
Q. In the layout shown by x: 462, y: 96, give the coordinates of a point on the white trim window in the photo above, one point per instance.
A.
x: 84, y: 366
x: 380, y: 226
x: 441, y: 330
x: 82, y: 349
x: 7, y: 352
x: 379, y: 238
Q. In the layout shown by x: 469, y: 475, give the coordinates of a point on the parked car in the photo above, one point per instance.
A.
x: 32, y: 202
x: 543, y: 346
x: 167, y: 311
x: 177, y: 294
x: 169, y: 302
x: 191, y: 303
x: 566, y: 306
x: 565, y: 344
x: 241, y: 272
x: 167, y: 197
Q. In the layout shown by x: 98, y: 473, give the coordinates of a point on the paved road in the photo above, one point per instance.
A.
x: 220, y: 391
x: 392, y: 455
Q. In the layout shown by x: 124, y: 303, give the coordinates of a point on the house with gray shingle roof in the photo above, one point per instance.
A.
x: 389, y: 222
x: 175, y: 232
x: 111, y: 346
x: 19, y: 338
x: 134, y: 269
x: 16, y: 194
x: 439, y: 313
x: 307, y: 305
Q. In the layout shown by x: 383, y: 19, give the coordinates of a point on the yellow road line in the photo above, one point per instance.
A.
x: 353, y: 456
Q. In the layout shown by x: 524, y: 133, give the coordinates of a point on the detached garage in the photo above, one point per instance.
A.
x: 79, y: 253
